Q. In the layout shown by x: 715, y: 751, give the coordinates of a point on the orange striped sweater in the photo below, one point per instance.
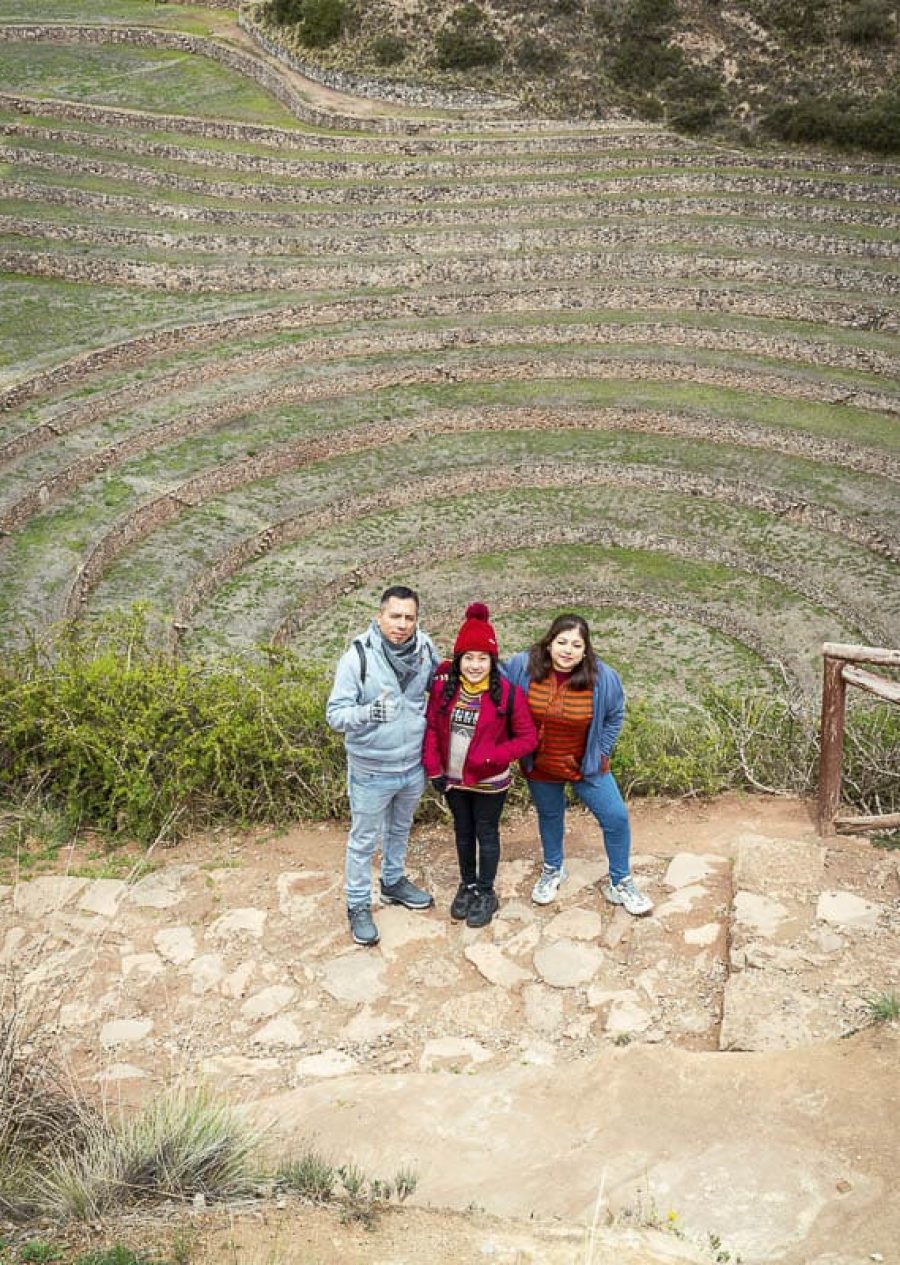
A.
x: 563, y: 717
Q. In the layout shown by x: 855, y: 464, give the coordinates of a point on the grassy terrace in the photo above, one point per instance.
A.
x: 611, y: 366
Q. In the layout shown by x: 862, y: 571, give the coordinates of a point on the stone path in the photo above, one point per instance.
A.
x: 231, y: 959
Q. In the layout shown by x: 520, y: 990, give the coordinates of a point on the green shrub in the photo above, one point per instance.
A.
x: 538, y: 55
x: 311, y: 1177
x: 846, y: 122
x: 318, y: 22
x: 118, y: 735
x: 465, y: 41
x: 695, y: 98
x: 389, y: 50
x: 870, y: 22
x: 131, y: 741
x: 323, y: 22
x: 284, y: 12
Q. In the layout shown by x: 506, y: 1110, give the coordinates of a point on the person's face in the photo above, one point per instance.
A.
x: 397, y: 619
x: 567, y: 650
x: 474, y: 666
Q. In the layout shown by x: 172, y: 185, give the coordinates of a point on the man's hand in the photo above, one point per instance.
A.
x: 604, y: 764
x: 383, y: 709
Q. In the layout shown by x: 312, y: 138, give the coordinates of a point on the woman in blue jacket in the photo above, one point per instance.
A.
x: 578, y: 706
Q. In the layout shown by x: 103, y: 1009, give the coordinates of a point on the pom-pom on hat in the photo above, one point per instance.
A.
x: 476, y: 633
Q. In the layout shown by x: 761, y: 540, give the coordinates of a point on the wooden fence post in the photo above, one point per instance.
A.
x: 834, y: 692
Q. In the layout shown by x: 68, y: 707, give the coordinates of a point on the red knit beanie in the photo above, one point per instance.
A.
x: 476, y: 633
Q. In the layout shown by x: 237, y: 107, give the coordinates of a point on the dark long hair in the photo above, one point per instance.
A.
x: 540, y: 666
x: 451, y: 685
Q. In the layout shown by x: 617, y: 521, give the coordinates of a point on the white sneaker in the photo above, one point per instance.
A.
x: 627, y: 894
x: 548, y: 884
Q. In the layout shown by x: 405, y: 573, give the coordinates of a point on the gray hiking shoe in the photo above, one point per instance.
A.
x: 627, y: 894
x: 405, y: 893
x: 547, y: 886
x: 362, y: 925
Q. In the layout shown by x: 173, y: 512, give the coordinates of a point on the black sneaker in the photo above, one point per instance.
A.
x: 362, y: 925
x: 481, y: 911
x: 405, y: 893
x: 462, y: 901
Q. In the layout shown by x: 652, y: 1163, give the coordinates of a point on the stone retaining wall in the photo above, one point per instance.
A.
x: 438, y: 244
x: 287, y: 531
x: 145, y: 37
x: 403, y: 342
x: 575, y: 266
x: 775, y: 305
x: 422, y: 217
x: 536, y: 137
x: 228, y: 476
x: 204, y: 420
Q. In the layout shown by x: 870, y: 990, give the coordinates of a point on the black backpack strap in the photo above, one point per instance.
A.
x: 362, y: 660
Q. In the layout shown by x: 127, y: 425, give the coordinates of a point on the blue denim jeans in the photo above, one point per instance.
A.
x: 604, y: 799
x: 381, y: 807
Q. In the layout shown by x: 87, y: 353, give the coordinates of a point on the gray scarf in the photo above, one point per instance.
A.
x: 404, y: 659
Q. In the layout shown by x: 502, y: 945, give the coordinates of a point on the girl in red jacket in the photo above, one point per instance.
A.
x: 475, y: 726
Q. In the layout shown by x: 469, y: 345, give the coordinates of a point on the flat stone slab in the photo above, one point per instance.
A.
x: 845, y: 909
x: 688, y: 868
x: 40, y: 897
x: 124, y: 1032
x: 328, y: 1063
x: 766, y: 1012
x: 761, y: 914
x: 145, y: 965
x: 625, y: 1015
x: 399, y: 927
x: 354, y: 977
x: 455, y: 1051
x: 281, y: 1031
x: 765, y: 865
x: 238, y: 924
x: 544, y: 1008
x: 574, y: 924
x: 239, y: 1065
x: 206, y: 972
x: 703, y: 936
x: 162, y: 889
x: 495, y: 966
x: 268, y: 1001
x: 104, y: 896
x: 176, y: 944
x: 568, y: 963
x: 682, y: 900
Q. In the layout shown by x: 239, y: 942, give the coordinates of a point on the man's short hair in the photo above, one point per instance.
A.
x: 402, y: 593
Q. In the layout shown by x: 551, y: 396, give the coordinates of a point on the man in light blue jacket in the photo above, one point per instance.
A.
x: 378, y: 703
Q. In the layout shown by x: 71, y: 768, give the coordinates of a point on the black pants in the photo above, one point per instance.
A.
x: 476, y: 821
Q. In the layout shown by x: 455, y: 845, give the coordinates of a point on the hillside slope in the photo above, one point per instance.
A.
x: 699, y: 65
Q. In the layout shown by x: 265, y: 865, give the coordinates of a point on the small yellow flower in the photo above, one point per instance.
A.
x: 673, y: 1215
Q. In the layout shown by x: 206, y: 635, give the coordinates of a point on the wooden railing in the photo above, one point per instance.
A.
x: 839, y: 672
